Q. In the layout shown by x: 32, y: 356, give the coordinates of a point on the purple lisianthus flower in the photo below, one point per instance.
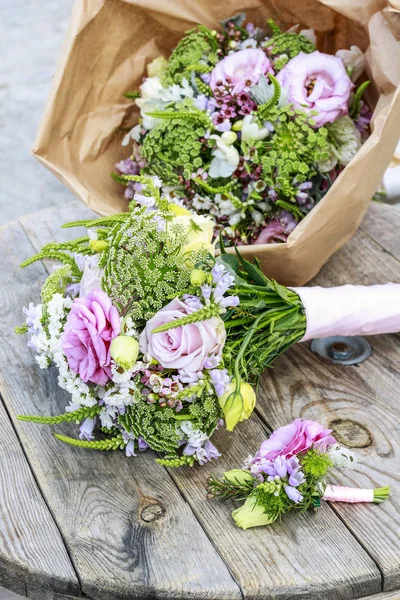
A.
x: 91, y: 324
x: 278, y: 229
x: 212, y: 361
x: 220, y: 380
x: 193, y: 302
x: 86, y: 429
x: 207, y: 453
x: 240, y: 69
x: 293, y: 494
x: 217, y: 272
x: 296, y: 478
x: 280, y: 466
x: 129, y: 440
x: 317, y: 82
x: 224, y: 126
x: 229, y: 301
x: 128, y: 167
x: 206, y: 291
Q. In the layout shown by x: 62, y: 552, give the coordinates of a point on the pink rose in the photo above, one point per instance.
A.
x: 184, y: 347
x: 91, y: 325
x: 297, y: 437
x: 318, y: 82
x: 241, y: 69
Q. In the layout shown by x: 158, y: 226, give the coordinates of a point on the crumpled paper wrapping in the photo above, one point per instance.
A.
x: 110, y: 42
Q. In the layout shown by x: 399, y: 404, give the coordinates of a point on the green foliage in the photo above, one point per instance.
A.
x: 272, y: 317
x: 273, y: 498
x: 77, y: 415
x: 293, y: 208
x: 228, y: 490
x: 20, y: 330
x: 176, y: 462
x: 224, y: 190
x: 174, y: 143
x: 159, y: 426
x: 293, y: 151
x: 315, y: 464
x: 55, y: 283
x: 114, y: 443
x: 143, y: 265
x: 263, y: 110
x: 195, y: 53
x: 132, y: 95
x: 356, y: 104
x: 287, y: 44
x: 200, y: 315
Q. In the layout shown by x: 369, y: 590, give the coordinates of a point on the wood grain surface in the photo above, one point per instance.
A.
x: 192, y: 549
x: 361, y: 399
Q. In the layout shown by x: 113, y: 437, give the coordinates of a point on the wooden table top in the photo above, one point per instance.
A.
x: 76, y: 522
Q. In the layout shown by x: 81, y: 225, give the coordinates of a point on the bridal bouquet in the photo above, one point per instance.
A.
x: 159, y: 342
x: 249, y: 126
x: 151, y: 334
x: 289, y: 473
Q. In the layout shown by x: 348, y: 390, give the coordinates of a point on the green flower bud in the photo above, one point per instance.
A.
x: 238, y: 477
x: 98, y: 245
x: 124, y: 350
x: 251, y: 514
x: 197, y: 277
x: 237, y: 405
x: 237, y: 126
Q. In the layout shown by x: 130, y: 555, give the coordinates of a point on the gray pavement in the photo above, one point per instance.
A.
x: 31, y: 34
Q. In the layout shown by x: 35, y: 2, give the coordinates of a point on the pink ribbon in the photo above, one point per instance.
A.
x: 341, y: 493
x: 350, y: 310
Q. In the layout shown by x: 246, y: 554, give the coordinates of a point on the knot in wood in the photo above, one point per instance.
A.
x: 152, y: 512
x: 350, y: 433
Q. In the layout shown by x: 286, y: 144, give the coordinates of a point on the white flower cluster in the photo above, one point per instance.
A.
x: 342, y: 458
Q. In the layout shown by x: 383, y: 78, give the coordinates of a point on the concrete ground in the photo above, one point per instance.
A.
x: 31, y: 33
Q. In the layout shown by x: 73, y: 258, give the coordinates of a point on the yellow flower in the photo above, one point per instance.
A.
x: 124, y: 350
x: 157, y: 67
x: 251, y: 514
x: 237, y: 405
x: 238, y: 476
x: 199, y: 231
x: 179, y: 210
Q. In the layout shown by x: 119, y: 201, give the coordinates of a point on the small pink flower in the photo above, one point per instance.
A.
x: 91, y: 325
x: 184, y: 347
x: 240, y: 69
x: 297, y: 437
x: 318, y: 82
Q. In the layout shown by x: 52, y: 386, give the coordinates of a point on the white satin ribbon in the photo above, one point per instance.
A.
x: 350, y: 310
x: 341, y: 493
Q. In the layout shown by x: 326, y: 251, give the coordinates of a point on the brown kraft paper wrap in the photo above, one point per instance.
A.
x: 110, y: 42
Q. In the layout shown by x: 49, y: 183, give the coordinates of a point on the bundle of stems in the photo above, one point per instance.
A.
x: 269, y: 319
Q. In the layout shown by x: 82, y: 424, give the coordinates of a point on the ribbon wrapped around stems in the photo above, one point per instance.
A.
x: 342, y: 493
x: 350, y: 310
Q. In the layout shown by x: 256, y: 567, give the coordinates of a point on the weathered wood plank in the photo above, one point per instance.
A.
x: 362, y: 397
x: 381, y: 223
x: 10, y: 587
x: 360, y: 579
x: 31, y: 548
x: 40, y: 594
x: 98, y: 499
x: 310, y: 556
x: 255, y: 557
x: 384, y: 596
